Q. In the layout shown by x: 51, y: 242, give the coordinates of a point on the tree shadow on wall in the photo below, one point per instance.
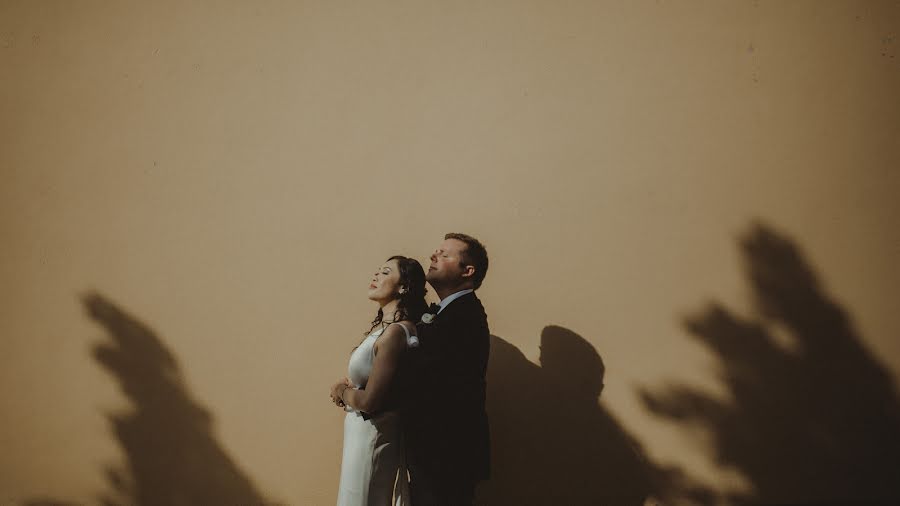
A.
x: 551, y: 441
x: 812, y: 417
x: 173, y: 456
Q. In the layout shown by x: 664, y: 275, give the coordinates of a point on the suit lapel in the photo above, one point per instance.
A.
x: 455, y: 307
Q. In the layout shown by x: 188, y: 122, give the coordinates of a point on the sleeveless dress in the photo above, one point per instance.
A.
x: 373, y: 465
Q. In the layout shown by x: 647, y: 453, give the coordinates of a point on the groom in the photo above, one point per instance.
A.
x: 448, y: 449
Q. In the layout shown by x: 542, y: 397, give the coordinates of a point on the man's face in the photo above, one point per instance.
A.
x: 444, y: 268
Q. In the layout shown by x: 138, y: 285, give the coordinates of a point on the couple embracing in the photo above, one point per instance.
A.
x: 416, y: 430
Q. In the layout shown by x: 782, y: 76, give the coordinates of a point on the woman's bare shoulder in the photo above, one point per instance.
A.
x: 392, y: 337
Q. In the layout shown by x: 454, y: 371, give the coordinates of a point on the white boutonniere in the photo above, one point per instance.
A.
x: 427, y: 318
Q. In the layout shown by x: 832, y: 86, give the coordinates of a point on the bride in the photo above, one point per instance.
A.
x: 373, y: 470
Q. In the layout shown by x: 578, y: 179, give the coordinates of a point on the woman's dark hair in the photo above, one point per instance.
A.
x: 412, y: 303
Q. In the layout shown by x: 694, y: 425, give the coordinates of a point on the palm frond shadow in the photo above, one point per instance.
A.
x: 813, y: 416
x: 173, y: 457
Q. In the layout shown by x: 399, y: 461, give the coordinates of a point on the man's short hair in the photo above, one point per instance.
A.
x: 475, y: 255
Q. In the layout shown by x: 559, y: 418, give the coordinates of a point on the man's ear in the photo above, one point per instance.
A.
x: 468, y: 271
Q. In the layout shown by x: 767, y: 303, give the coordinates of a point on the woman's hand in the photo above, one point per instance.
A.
x: 337, y: 390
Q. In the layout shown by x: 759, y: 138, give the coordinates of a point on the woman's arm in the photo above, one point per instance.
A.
x: 388, y: 350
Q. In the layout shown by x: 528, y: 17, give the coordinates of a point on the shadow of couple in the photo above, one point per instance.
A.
x: 552, y: 442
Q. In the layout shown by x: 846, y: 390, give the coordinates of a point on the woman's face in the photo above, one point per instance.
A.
x: 385, y: 285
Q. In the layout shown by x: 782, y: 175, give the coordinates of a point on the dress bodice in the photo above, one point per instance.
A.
x: 363, y: 356
x: 361, y: 360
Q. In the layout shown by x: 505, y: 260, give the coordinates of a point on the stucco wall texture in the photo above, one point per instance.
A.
x: 690, y: 209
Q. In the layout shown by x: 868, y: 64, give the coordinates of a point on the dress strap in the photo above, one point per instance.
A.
x: 411, y: 341
x: 406, y: 330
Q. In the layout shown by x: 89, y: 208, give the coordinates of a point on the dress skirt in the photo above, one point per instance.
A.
x: 373, y: 466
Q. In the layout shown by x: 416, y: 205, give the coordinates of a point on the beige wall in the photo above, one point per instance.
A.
x: 228, y: 174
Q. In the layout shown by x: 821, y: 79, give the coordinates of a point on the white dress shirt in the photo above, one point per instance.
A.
x: 453, y: 296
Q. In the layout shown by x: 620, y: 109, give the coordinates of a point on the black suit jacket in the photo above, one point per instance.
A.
x: 444, y: 414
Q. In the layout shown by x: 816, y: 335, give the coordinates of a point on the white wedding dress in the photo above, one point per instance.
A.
x: 373, y: 466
